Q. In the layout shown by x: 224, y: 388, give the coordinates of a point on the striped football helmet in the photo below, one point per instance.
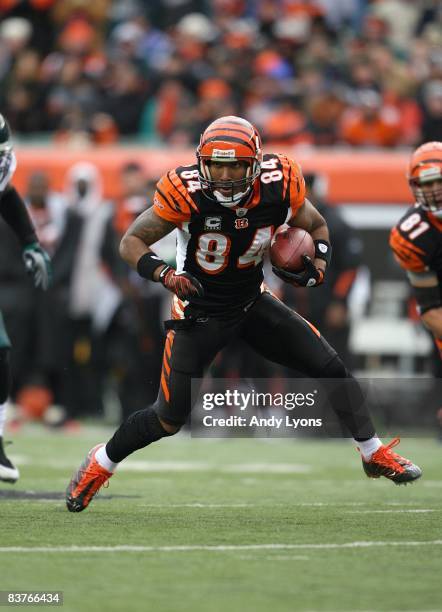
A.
x: 229, y: 139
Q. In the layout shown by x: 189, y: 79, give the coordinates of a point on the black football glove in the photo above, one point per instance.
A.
x: 310, y: 276
x: 183, y: 284
x: 38, y: 265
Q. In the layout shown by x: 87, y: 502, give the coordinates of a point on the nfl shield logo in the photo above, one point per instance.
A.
x: 241, y: 212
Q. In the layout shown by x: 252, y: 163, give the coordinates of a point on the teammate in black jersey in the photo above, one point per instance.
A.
x: 36, y: 260
x: 226, y: 208
x: 417, y: 238
x: 416, y: 241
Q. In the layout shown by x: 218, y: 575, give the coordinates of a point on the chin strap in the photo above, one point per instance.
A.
x: 230, y: 202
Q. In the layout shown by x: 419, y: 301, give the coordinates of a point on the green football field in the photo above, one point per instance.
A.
x: 224, y: 525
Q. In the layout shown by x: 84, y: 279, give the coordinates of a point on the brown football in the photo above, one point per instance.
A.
x: 288, y: 246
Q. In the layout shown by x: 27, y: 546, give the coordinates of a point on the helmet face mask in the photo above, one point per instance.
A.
x: 229, y: 140
x: 425, y: 177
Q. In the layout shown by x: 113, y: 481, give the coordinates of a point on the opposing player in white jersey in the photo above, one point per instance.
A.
x: 37, y: 262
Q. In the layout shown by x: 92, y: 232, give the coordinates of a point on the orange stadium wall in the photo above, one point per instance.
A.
x: 354, y: 177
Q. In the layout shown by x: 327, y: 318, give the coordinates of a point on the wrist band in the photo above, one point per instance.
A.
x: 147, y: 264
x: 323, y: 250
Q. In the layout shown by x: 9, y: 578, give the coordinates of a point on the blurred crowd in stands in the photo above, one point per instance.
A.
x: 95, y: 337
x: 324, y: 72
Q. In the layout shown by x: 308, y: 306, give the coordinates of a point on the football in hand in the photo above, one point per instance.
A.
x: 288, y: 246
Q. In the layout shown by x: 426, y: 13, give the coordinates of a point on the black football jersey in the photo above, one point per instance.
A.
x: 417, y: 241
x: 224, y: 247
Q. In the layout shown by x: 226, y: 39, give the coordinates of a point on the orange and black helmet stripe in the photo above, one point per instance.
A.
x: 234, y: 130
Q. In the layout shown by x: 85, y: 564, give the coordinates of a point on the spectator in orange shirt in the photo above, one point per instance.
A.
x: 286, y: 125
x: 370, y: 123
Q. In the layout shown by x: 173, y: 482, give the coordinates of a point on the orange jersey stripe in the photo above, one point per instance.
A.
x: 294, y: 183
x: 181, y: 190
x: 407, y: 254
x: 170, y: 196
x: 171, y: 200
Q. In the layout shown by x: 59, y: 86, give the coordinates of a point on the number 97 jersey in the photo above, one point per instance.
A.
x: 224, y: 247
x: 417, y: 241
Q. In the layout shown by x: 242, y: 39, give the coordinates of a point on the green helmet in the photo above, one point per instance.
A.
x: 5, y: 136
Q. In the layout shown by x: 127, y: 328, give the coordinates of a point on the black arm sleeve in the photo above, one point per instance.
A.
x: 427, y: 298
x: 14, y: 212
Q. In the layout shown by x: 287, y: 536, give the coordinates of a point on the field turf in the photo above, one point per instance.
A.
x: 224, y: 525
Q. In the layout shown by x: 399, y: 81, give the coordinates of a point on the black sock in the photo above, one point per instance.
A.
x: 348, y: 401
x: 137, y: 431
x: 351, y: 408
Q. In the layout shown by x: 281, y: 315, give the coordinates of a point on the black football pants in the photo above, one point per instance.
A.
x: 278, y: 334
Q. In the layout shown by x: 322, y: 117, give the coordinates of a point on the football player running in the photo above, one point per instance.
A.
x: 417, y: 238
x: 226, y: 208
x: 37, y: 262
x: 416, y: 241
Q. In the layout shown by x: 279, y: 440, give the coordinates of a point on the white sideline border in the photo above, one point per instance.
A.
x: 213, y: 548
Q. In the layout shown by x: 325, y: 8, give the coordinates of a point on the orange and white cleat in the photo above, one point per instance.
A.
x: 86, y: 482
x: 385, y: 462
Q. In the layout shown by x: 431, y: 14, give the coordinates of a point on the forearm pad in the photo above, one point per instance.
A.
x: 15, y: 213
x: 427, y: 298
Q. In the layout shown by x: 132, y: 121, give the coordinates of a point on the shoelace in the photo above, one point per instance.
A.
x: 398, y: 458
x: 93, y: 472
x: 388, y: 458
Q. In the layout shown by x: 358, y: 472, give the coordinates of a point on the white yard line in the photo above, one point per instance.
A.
x: 180, y: 466
x: 410, y: 510
x: 212, y: 548
x: 198, y: 505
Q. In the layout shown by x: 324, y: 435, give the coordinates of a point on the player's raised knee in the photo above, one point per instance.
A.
x: 169, y: 428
